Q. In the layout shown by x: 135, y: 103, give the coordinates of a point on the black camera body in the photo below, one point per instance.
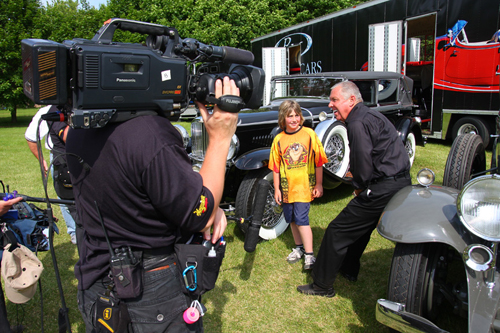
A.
x: 97, y: 81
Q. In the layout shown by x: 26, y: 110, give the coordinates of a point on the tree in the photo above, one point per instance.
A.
x: 16, y: 23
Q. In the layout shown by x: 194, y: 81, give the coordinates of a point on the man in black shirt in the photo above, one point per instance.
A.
x: 380, y: 167
x: 137, y: 177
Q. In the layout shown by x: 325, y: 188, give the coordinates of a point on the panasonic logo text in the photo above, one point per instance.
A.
x: 125, y: 80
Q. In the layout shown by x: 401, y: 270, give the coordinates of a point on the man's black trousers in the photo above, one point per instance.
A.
x: 347, y: 236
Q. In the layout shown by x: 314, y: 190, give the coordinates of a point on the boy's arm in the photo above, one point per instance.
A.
x: 277, y: 192
x: 318, y: 188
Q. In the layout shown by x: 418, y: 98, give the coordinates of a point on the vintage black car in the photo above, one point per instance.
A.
x: 389, y: 93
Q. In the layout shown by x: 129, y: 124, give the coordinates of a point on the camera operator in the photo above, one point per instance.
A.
x: 140, y: 178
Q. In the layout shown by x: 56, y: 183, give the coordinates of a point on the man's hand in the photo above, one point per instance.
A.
x: 220, y: 125
x: 219, y: 226
x: 6, y: 205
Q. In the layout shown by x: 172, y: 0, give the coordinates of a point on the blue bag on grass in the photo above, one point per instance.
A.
x: 28, y: 224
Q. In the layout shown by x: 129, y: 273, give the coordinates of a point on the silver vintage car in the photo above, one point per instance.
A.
x: 446, y: 245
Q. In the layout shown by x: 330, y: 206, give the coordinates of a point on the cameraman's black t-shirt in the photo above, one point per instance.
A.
x: 140, y: 176
x: 56, y: 132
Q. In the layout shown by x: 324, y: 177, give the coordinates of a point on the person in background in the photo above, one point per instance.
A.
x: 55, y: 133
x: 380, y: 167
x: 296, y: 159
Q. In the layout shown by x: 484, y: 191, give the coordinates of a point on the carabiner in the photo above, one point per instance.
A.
x: 190, y: 286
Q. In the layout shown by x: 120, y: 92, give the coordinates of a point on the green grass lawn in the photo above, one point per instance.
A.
x: 255, y: 292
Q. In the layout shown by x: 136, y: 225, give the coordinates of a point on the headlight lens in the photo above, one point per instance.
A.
x: 426, y: 177
x: 184, y: 134
x: 234, y: 147
x: 323, y: 116
x: 478, y: 206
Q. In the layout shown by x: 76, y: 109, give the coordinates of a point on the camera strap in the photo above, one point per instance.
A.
x: 228, y: 103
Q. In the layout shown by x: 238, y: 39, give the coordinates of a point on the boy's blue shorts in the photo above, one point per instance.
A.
x: 297, y: 212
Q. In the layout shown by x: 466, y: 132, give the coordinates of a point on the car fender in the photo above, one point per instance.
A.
x: 322, y: 127
x: 253, y: 159
x: 406, y: 125
x: 418, y: 214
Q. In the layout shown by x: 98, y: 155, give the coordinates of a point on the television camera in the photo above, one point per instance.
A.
x: 94, y: 82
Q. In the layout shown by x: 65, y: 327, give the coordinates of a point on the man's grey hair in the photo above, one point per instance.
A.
x: 348, y: 89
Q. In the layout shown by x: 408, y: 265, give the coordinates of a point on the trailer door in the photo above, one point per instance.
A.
x: 273, y: 64
x: 385, y: 46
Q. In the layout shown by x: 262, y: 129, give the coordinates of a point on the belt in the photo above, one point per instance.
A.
x: 403, y: 174
x: 159, y: 251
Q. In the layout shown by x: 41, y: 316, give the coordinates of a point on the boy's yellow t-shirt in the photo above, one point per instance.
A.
x: 295, y: 156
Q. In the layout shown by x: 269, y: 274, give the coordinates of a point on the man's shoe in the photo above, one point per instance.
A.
x: 294, y: 256
x: 309, y: 261
x: 314, y: 290
x: 73, y: 238
x: 349, y: 277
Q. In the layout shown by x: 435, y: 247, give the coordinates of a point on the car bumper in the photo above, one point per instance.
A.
x: 393, y: 315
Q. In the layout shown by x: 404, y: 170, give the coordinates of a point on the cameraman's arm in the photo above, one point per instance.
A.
x: 220, y: 126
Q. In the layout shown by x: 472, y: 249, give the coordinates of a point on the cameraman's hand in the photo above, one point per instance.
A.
x: 219, y: 226
x: 220, y: 125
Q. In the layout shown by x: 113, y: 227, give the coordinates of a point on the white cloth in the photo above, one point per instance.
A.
x: 30, y: 133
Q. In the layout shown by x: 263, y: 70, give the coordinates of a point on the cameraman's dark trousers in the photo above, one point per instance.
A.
x: 158, y: 309
x: 347, y: 236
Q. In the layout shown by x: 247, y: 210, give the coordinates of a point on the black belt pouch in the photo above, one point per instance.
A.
x: 127, y: 274
x: 207, y: 267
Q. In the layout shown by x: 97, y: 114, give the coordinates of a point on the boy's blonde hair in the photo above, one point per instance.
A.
x: 285, y: 109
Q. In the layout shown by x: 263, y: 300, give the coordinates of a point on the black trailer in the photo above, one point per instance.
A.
x: 450, y: 48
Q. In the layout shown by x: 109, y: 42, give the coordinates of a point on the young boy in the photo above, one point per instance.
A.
x: 296, y: 158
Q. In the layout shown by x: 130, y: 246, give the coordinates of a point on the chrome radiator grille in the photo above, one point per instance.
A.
x: 199, y: 140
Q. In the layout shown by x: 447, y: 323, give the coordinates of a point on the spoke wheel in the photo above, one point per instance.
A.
x: 273, y: 220
x: 336, y: 145
x: 411, y: 146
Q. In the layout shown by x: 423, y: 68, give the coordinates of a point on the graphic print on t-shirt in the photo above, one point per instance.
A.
x: 295, y: 155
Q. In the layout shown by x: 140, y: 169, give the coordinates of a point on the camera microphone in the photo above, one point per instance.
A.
x: 54, y: 116
x: 226, y: 54
x: 238, y: 56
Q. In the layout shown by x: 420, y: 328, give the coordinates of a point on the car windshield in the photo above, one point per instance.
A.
x: 315, y: 87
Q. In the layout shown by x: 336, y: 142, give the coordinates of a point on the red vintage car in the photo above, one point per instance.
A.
x: 461, y: 65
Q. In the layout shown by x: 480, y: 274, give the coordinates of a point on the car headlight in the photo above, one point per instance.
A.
x: 323, y: 116
x: 478, y: 206
x: 184, y: 134
x: 234, y: 147
x: 425, y: 177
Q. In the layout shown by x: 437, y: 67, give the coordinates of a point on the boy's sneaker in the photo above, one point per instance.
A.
x: 73, y: 238
x: 294, y: 256
x: 309, y: 261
